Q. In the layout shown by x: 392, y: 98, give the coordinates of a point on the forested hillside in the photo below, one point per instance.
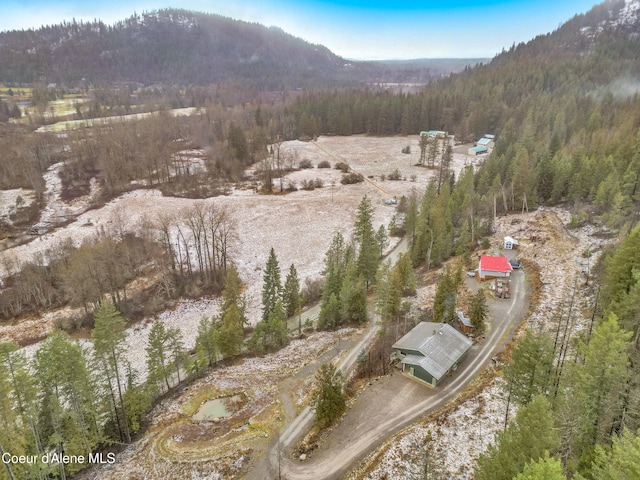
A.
x: 169, y: 46
x: 565, y: 107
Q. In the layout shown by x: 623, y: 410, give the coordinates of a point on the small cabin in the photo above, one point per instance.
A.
x: 510, y: 243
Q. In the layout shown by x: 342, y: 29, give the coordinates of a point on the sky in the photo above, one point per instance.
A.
x: 362, y: 30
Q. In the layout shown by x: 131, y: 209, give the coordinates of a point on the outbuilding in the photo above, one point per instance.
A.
x: 493, y: 267
x: 430, y: 351
x: 434, y: 133
x: 464, y: 322
x: 477, y: 150
x: 510, y: 243
x: 485, y: 142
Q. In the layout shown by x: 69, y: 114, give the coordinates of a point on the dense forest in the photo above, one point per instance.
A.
x: 182, y: 47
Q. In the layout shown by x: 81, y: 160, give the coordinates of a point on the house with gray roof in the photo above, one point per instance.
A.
x: 431, y: 350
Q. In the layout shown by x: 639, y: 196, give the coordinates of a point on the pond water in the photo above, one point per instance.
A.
x: 216, y: 408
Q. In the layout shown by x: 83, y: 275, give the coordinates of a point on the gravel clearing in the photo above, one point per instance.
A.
x: 152, y: 456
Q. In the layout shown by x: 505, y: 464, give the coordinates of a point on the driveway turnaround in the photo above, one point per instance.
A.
x: 391, y: 403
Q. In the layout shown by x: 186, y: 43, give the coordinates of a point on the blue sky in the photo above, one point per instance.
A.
x: 353, y: 29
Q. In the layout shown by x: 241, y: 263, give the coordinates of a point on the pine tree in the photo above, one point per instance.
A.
x: 24, y: 391
x: 353, y: 296
x: 527, y: 373
x: 231, y: 334
x: 109, y: 347
x: 598, y: 386
x: 368, y: 255
x: 382, y: 239
x: 13, y: 433
x: 177, y: 352
x: 328, y: 399
x: 545, y: 468
x: 620, y: 462
x: 478, y: 311
x: 291, y: 294
x: 69, y: 399
x: 208, y: 340
x: 526, y: 439
x: 232, y: 294
x: 272, y: 286
x: 158, y: 354
x: 444, y: 301
x: 329, y: 316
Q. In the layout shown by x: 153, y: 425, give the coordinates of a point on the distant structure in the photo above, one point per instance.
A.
x: 434, y: 133
x: 477, y: 151
x: 486, y: 142
x: 493, y: 267
x: 430, y: 351
x: 510, y: 243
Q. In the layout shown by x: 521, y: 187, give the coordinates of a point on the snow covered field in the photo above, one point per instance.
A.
x: 298, y: 225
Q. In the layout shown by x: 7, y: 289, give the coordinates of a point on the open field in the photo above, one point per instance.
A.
x: 298, y: 225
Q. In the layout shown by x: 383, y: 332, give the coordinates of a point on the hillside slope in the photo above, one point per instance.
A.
x: 165, y: 46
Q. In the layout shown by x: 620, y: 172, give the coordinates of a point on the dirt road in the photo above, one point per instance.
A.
x: 394, y: 404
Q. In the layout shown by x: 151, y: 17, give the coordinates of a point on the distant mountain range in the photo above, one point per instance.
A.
x: 178, y: 46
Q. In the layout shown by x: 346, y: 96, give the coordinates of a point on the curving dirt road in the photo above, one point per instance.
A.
x: 395, y: 403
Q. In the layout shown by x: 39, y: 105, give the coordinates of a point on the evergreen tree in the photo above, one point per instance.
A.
x: 158, y: 354
x: 330, y: 316
x: 231, y: 333
x: 272, y: 286
x: 444, y: 301
x: 598, y: 387
x: 478, y: 311
x: 388, y: 293
x: 619, y: 462
x: 208, y: 339
x: 70, y: 408
x: 291, y: 294
x: 109, y: 347
x: 382, y: 239
x: 368, y: 255
x: 526, y: 439
x: 271, y: 333
x: 232, y: 294
x: 353, y: 296
x: 14, y: 436
x: 527, y: 373
x: 545, y: 468
x: 24, y: 392
x: 328, y: 399
x: 177, y: 352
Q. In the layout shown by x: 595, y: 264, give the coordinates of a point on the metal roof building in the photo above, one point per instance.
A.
x: 493, y: 267
x: 477, y: 150
x: 431, y: 350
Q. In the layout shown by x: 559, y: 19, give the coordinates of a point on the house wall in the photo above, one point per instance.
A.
x: 489, y: 274
x: 420, y: 373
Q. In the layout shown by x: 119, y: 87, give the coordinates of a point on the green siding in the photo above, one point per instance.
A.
x: 422, y: 374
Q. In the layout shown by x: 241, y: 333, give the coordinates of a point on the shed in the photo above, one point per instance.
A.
x: 431, y: 350
x: 510, y: 243
x: 493, y: 267
x: 477, y: 150
x: 485, y: 142
x: 433, y: 133
x: 465, y: 323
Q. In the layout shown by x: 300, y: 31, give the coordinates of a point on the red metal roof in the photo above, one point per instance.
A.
x: 495, y: 264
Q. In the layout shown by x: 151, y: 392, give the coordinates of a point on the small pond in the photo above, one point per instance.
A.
x: 217, y: 408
